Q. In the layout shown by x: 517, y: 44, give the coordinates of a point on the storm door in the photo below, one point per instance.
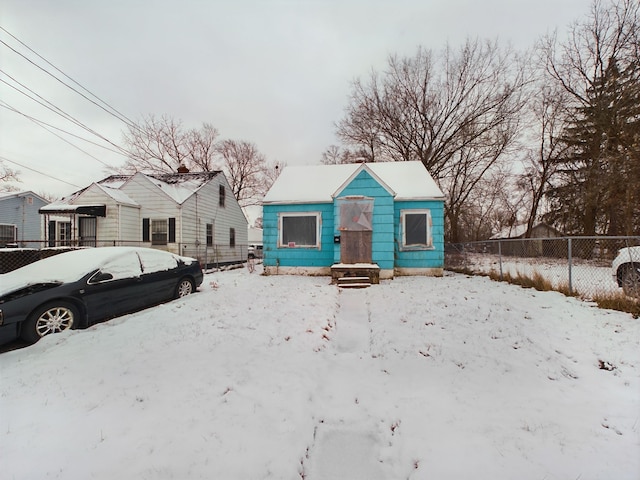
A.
x: 88, y: 227
x: 356, y: 229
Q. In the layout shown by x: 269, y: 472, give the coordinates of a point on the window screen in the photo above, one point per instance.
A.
x: 416, y: 229
x: 7, y: 234
x: 209, y: 234
x: 300, y: 230
x: 158, y: 232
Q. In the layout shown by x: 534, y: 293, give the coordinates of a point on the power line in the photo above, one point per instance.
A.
x: 38, y: 172
x: 43, y: 124
x: 55, y: 109
x: 111, y: 110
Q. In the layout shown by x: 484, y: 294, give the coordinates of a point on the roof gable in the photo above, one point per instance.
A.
x: 20, y: 194
x: 321, y: 183
x: 363, y: 168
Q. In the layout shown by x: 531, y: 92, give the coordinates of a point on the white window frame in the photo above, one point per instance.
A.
x: 158, y: 222
x: 64, y: 233
x: 9, y: 226
x: 417, y: 246
x: 283, y: 215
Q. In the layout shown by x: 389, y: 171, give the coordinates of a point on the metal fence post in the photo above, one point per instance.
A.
x: 500, y: 258
x: 570, y: 259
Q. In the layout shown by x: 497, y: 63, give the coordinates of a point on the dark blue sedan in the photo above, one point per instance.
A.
x: 79, y: 288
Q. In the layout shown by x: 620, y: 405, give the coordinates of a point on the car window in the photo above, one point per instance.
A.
x: 156, y: 261
x: 125, y: 266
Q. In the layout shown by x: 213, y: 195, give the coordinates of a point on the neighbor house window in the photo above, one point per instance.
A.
x: 159, y: 231
x: 416, y: 228
x: 8, y: 234
x: 209, y: 234
x: 222, y: 195
x: 232, y: 237
x: 64, y: 233
x: 299, y: 229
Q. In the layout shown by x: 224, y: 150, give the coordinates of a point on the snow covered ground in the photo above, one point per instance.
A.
x: 259, y: 377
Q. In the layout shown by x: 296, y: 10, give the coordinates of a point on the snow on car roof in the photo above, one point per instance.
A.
x: 73, y: 265
x: 320, y: 183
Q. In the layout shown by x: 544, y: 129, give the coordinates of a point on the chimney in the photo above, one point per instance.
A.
x: 183, y: 169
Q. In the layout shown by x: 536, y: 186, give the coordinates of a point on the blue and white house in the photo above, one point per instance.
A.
x: 387, y: 217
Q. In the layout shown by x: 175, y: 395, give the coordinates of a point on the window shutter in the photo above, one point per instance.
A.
x: 172, y: 230
x: 52, y: 233
x: 145, y: 229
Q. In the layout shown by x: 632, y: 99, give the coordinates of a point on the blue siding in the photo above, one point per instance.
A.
x: 297, y: 257
x: 431, y: 258
x: 386, y: 236
x: 16, y: 210
x: 383, y: 216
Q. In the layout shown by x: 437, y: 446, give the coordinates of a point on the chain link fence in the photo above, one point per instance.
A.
x: 578, y: 265
x: 210, y: 256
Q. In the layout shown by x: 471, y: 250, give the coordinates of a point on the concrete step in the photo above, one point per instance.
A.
x: 354, y: 285
x: 354, y: 282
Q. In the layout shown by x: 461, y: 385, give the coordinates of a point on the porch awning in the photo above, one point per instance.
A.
x: 91, y: 210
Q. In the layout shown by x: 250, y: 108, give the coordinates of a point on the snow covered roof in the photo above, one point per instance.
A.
x: 178, y: 186
x: 69, y: 205
x: 518, y: 231
x: 322, y: 183
x: 25, y: 193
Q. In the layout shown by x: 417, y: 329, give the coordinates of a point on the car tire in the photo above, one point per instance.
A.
x: 51, y: 318
x: 630, y: 280
x: 185, y: 287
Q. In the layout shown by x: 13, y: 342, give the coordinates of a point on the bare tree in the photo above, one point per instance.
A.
x: 156, y: 145
x: 201, y: 147
x: 457, y: 112
x: 335, y: 155
x: 547, y: 108
x: 7, y: 175
x: 246, y: 170
x: 162, y: 145
x: 598, y: 67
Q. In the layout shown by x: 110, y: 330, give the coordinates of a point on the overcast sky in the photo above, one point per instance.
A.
x: 276, y: 73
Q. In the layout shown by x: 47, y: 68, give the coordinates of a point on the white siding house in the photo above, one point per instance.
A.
x: 192, y: 214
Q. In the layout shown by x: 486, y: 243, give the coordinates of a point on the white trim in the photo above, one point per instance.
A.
x: 357, y: 172
x: 429, y: 233
x: 318, y: 216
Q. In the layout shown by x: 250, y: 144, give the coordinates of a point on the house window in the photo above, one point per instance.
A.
x: 159, y: 231
x: 64, y: 233
x: 299, y: 230
x: 8, y: 234
x: 232, y: 237
x: 222, y: 195
x: 416, y: 229
x: 209, y: 234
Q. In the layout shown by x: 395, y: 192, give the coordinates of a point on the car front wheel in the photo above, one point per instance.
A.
x: 631, y: 280
x: 51, y: 318
x: 185, y: 287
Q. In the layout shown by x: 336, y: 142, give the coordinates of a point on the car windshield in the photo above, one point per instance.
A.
x: 62, y: 268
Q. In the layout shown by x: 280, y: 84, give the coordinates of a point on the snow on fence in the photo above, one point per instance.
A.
x: 580, y: 264
x: 209, y: 256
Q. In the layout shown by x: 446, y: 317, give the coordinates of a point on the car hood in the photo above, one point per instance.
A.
x: 72, y: 266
